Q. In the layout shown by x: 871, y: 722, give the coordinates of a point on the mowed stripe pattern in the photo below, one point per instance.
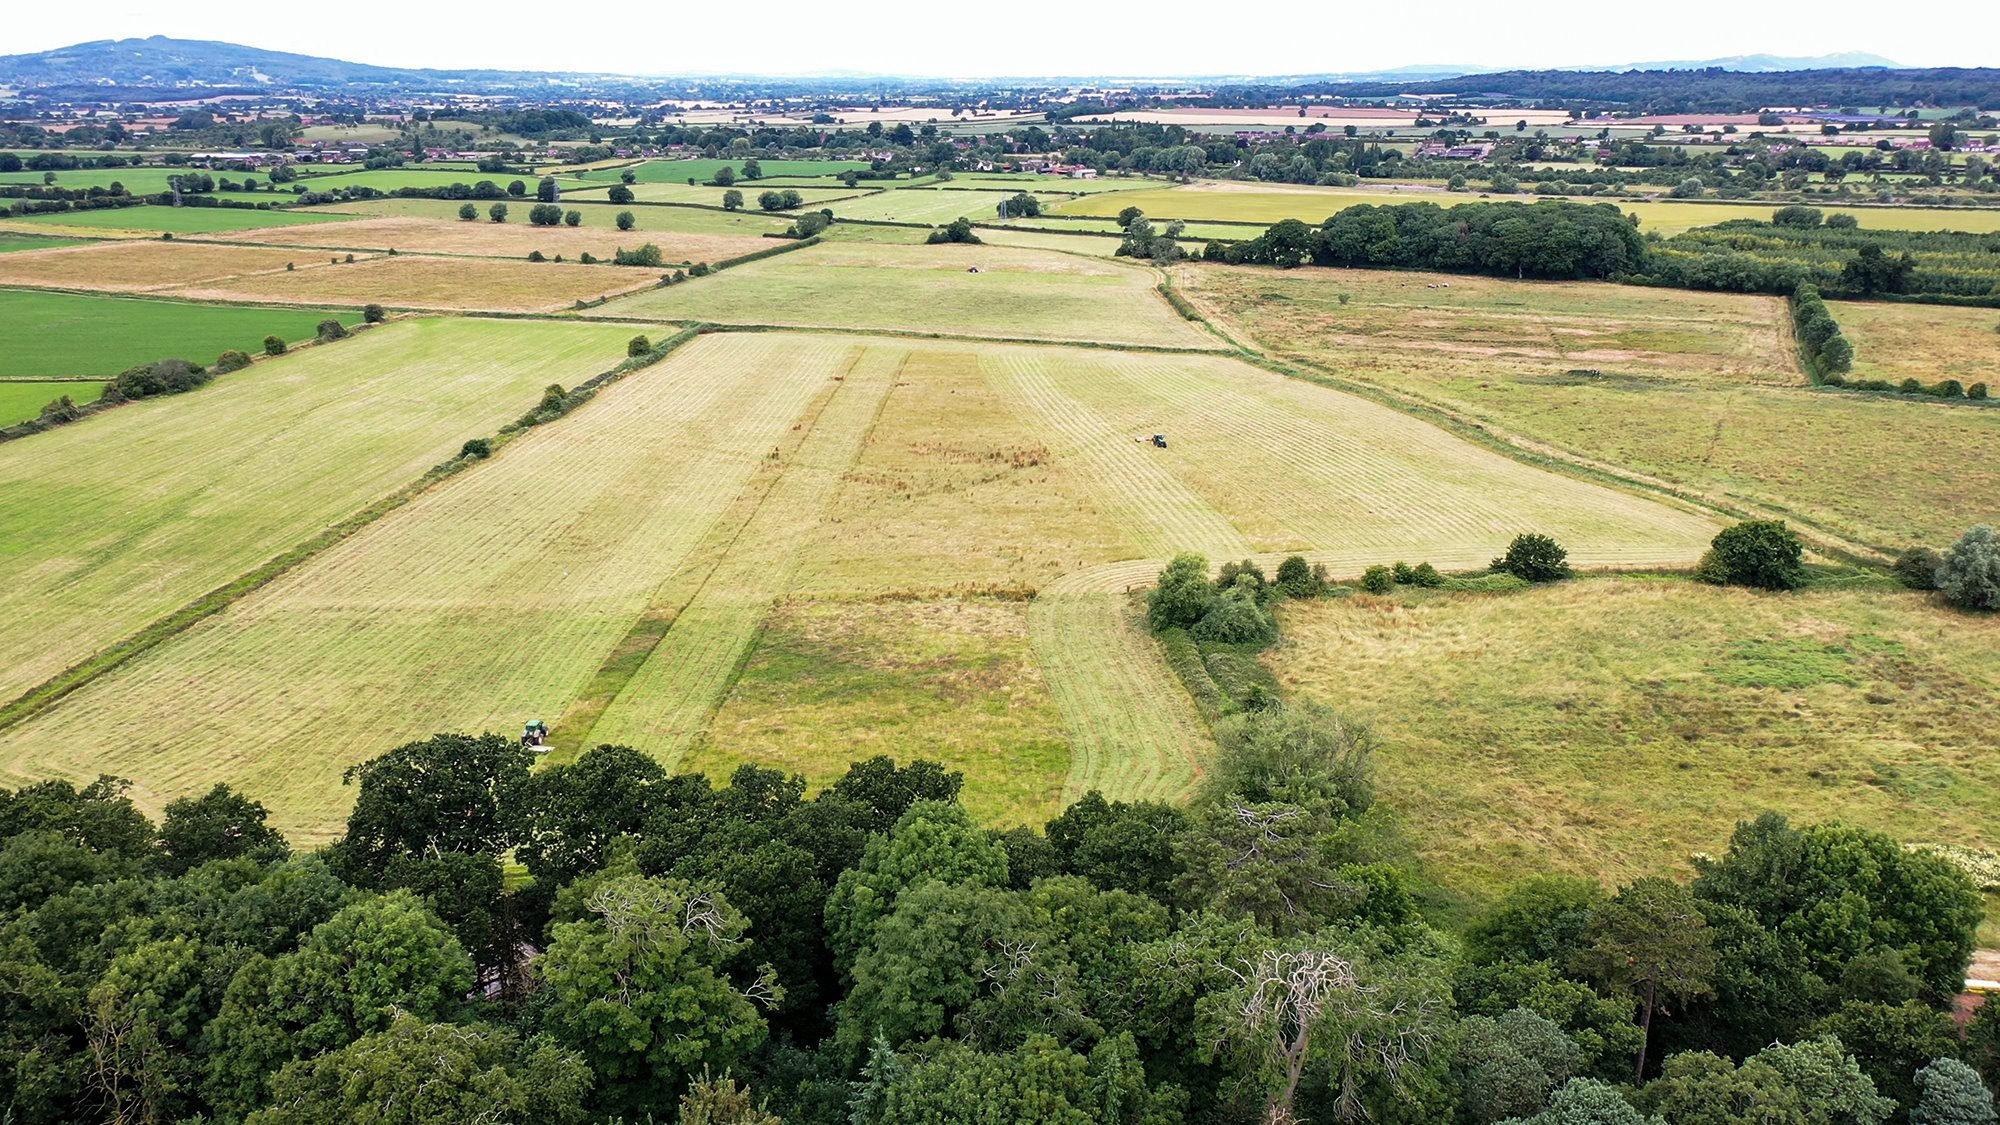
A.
x: 118, y: 520
x: 489, y: 600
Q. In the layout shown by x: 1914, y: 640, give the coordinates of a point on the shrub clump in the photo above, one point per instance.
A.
x: 478, y: 448
x: 1970, y: 572
x: 958, y: 230
x: 1535, y: 558
x: 231, y: 361
x: 1378, y: 580
x: 374, y: 314
x: 1230, y: 610
x: 164, y: 377
x: 648, y: 255
x: 1917, y: 568
x: 1298, y: 580
x: 637, y: 346
x: 274, y: 345
x: 330, y: 329
x: 1761, y: 553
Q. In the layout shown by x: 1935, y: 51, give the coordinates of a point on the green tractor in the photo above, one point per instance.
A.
x: 535, y: 735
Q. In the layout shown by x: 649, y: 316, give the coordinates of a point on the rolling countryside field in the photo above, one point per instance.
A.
x: 22, y: 399
x: 507, y: 240
x: 409, y: 281
x: 176, y: 220
x: 43, y: 333
x: 1697, y: 390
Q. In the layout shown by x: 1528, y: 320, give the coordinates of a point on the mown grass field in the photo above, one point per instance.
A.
x: 1924, y: 342
x: 686, y: 220
x: 84, y: 334
x: 509, y: 240
x: 923, y: 205
x: 137, y: 511
x: 1694, y: 389
x: 11, y: 241
x: 1611, y: 727
x: 137, y: 267
x: 416, y: 176
x: 678, y: 171
x: 678, y: 192
x: 144, y: 180
x: 1017, y: 293
x: 1270, y: 203
x: 178, y: 220
x: 22, y: 399
x: 410, y: 281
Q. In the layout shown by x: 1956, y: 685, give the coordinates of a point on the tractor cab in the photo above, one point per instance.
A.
x: 535, y: 734
x: 1159, y: 441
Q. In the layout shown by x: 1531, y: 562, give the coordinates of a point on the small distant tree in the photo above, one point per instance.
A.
x: 231, y: 361
x: 638, y: 346
x: 517, y: 189
x: 274, y: 345
x: 628, y: 176
x: 1296, y: 579
x: 1761, y: 553
x: 619, y: 193
x: 478, y: 449
x: 1918, y: 568
x: 626, y: 220
x: 1021, y: 206
x: 1378, y: 580
x: 813, y: 222
x: 753, y: 170
x: 330, y: 329
x: 1534, y: 557
x: 572, y: 218
x: 1970, y: 573
x: 546, y: 190
x: 958, y: 230
x: 373, y: 314
x: 1796, y: 216
x: 468, y: 212
x: 724, y: 176
x: 497, y: 212
x: 731, y: 200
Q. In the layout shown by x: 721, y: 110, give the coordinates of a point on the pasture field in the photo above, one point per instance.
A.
x: 1695, y: 389
x: 11, y: 241
x: 687, y: 220
x: 1610, y: 727
x: 508, y: 240
x: 678, y: 171
x: 22, y: 399
x: 139, y: 510
x: 1017, y: 293
x: 712, y: 196
x: 1270, y: 203
x: 409, y: 281
x: 143, y: 180
x: 177, y: 220
x: 925, y: 205
x: 81, y: 334
x: 144, y: 266
x: 955, y: 681
x: 1034, y: 182
x: 1923, y: 342
x: 490, y: 598
x: 416, y: 176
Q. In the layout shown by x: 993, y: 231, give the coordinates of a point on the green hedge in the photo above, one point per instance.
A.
x: 1825, y: 352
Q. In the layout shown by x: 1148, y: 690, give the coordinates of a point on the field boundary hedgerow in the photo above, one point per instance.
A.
x: 53, y: 690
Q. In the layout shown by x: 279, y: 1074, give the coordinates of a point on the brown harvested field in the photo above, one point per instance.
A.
x: 408, y: 281
x: 1924, y: 342
x: 139, y: 267
x: 409, y: 233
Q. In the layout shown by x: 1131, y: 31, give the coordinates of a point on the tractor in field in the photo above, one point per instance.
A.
x: 535, y: 735
x: 1159, y: 441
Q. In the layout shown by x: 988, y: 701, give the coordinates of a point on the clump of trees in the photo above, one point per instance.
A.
x: 1761, y: 553
x: 545, y: 215
x: 1534, y: 557
x: 958, y: 230
x: 785, y: 200
x: 161, y: 377
x: 648, y: 254
x: 1547, y: 239
x: 1826, y: 353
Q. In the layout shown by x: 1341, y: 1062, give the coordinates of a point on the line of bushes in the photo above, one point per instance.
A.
x: 1824, y: 351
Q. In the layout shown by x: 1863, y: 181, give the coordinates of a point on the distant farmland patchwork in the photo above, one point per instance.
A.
x: 45, y: 333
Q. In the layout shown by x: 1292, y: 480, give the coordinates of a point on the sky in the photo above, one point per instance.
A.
x: 1264, y: 37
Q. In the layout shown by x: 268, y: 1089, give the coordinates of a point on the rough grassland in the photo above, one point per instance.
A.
x: 179, y: 220
x: 952, y: 680
x: 712, y: 196
x: 678, y: 171
x: 141, y: 509
x: 80, y: 334
x: 490, y: 599
x: 1695, y: 389
x: 916, y: 205
x: 136, y: 267
x: 1018, y: 293
x: 1611, y: 727
x: 1269, y: 203
x: 1923, y: 342
x: 509, y: 240
x: 409, y: 281
x: 22, y: 400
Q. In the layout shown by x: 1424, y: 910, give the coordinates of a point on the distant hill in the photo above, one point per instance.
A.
x: 1762, y: 64
x: 158, y: 62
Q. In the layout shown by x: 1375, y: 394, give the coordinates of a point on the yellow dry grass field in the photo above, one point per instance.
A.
x: 1611, y: 727
x: 148, y: 266
x: 117, y: 520
x: 504, y: 240
x: 411, y: 281
x: 1924, y: 342
x: 1699, y: 390
x: 489, y: 600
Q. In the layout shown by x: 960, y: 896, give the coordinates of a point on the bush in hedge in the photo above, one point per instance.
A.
x: 638, y: 346
x: 648, y: 255
x: 1949, y: 388
x: 1534, y: 557
x: 1761, y: 553
x: 536, y: 256
x: 1235, y: 618
x: 1378, y: 580
x: 374, y: 314
x: 330, y: 329
x: 1298, y: 580
x: 478, y: 448
x: 274, y: 345
x: 1970, y: 573
x: 1918, y: 567
x: 231, y: 361
x: 165, y: 377
x: 1183, y: 596
x: 1911, y: 387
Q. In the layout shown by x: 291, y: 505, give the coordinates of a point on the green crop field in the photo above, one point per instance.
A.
x: 1697, y: 389
x: 678, y: 171
x: 1021, y: 293
x: 16, y: 240
x: 1611, y: 727
x: 138, y: 510
x: 145, y: 180
x: 672, y: 192
x: 416, y: 176
x: 22, y: 399
x: 177, y: 220
x: 928, y: 205
x: 77, y: 334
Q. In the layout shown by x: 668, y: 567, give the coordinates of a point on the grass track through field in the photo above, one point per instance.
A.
x: 490, y: 599
x: 666, y: 705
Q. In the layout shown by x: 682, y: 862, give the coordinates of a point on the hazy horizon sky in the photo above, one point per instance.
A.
x: 906, y: 37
